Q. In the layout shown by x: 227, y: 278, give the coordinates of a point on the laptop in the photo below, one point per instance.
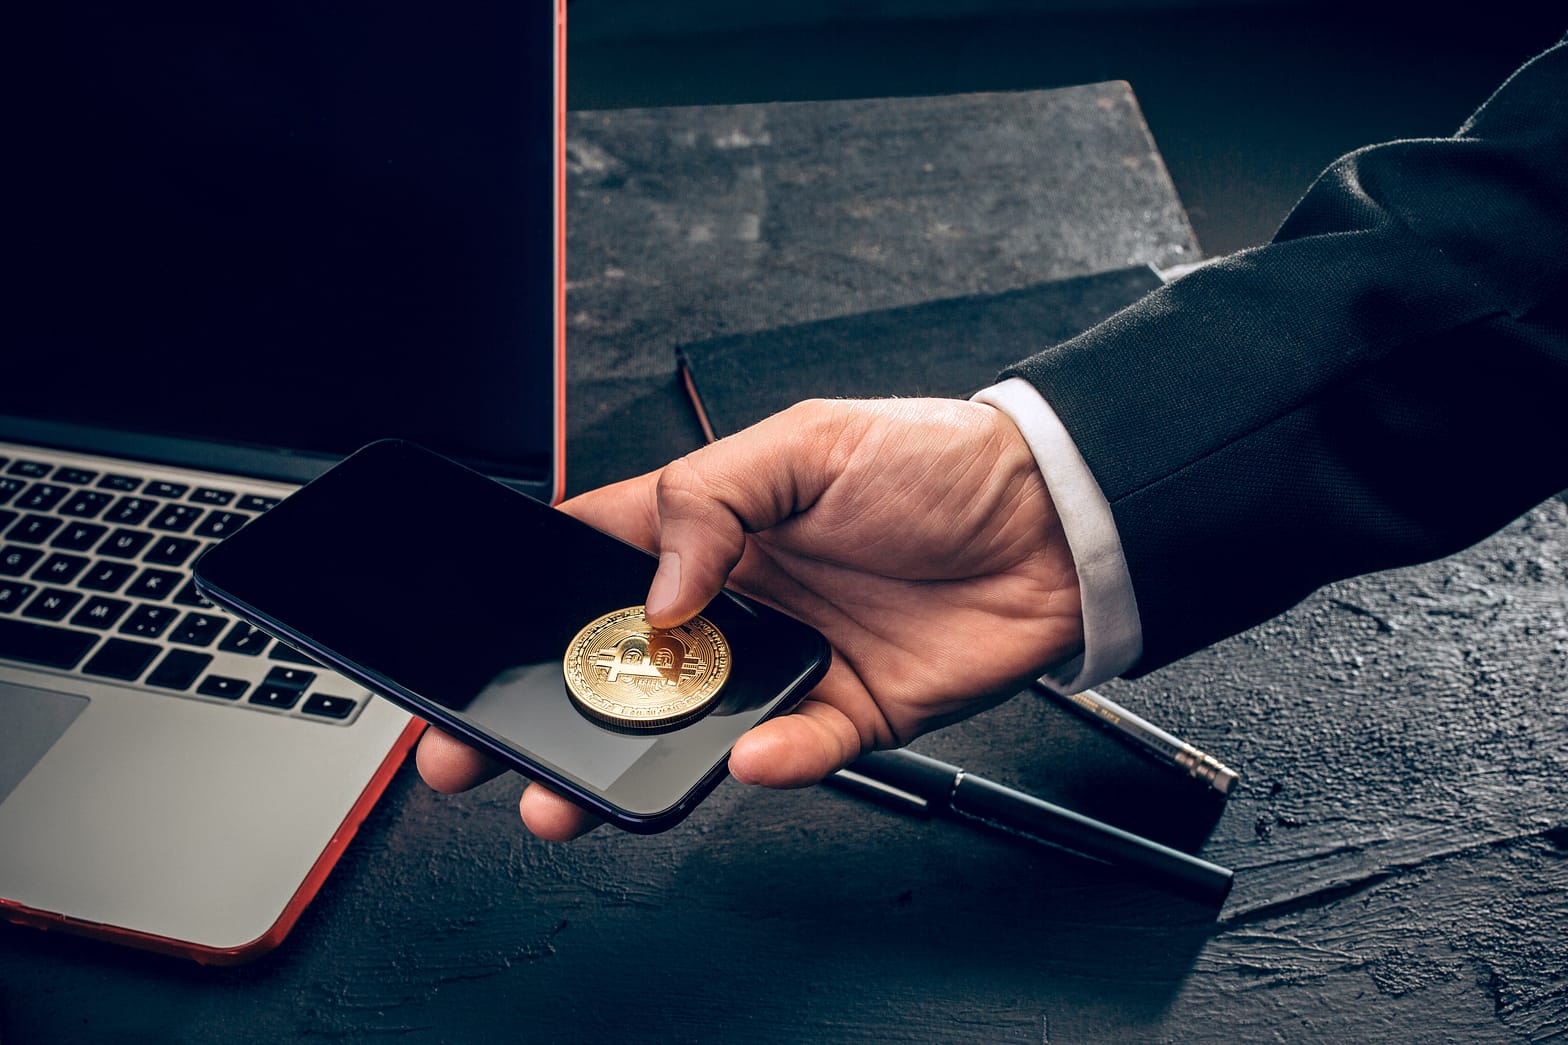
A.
x: 242, y: 241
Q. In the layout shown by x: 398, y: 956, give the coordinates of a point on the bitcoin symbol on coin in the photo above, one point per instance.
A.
x: 624, y: 672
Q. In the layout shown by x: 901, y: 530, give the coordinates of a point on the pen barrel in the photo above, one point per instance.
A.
x: 918, y: 775
x: 1024, y: 814
x: 1145, y: 737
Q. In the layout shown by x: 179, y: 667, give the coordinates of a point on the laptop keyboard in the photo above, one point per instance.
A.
x: 95, y: 580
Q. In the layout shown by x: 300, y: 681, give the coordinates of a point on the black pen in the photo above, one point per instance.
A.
x: 922, y: 785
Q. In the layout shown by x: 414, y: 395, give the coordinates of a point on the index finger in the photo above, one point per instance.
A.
x: 449, y: 765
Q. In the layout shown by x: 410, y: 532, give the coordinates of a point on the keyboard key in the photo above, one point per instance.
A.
x: 15, y: 560
x: 13, y: 594
x: 43, y: 645
x: 189, y: 596
x: 256, y: 503
x: 158, y: 488
x: 85, y: 504
x: 179, y: 669
x: 283, y: 651
x: 328, y: 706
x: 171, y: 551
x: 207, y: 495
x: 9, y: 488
x: 148, y: 622
x: 52, y: 604
x: 242, y: 638
x: 106, y: 576
x: 155, y: 584
x: 40, y: 497
x: 6, y: 519
x: 221, y: 524
x: 290, y: 678
x: 78, y: 537
x: 120, y: 483
x: 100, y: 612
x: 30, y: 469
x: 198, y: 629
x: 130, y: 511
x: 222, y: 686
x: 121, y: 659
x: 60, y: 569
x: 176, y: 518
x: 280, y: 697
x: 125, y: 544
x: 78, y: 476
x: 34, y: 529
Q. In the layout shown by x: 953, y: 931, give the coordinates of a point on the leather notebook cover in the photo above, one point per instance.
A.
x: 950, y: 347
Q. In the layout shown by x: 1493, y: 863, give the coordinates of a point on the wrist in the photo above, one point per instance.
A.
x: 1112, y: 636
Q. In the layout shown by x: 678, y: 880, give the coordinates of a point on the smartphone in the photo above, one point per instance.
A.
x: 461, y: 600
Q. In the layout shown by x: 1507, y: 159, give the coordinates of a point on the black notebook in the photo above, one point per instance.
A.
x: 951, y: 347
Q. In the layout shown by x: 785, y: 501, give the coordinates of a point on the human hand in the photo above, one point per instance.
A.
x: 916, y: 534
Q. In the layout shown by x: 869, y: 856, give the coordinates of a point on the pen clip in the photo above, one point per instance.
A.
x: 881, y: 792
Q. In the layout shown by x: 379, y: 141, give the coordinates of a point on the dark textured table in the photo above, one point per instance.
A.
x: 1399, y: 833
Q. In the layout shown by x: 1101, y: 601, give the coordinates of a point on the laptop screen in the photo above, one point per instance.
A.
x: 286, y: 225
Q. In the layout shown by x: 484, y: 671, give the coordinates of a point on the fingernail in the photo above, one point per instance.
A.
x: 666, y: 584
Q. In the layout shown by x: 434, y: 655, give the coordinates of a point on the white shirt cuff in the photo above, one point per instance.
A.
x: 1112, y: 634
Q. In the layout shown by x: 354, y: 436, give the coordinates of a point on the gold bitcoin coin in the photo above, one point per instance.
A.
x: 622, y: 671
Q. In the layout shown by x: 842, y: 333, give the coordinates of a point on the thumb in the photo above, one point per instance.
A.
x: 710, y: 500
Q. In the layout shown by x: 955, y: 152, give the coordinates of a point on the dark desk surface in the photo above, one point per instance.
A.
x: 1398, y: 835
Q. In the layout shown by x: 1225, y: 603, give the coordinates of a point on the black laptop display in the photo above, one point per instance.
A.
x: 289, y: 226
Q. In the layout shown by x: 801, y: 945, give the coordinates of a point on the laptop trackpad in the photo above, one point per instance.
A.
x: 34, y: 719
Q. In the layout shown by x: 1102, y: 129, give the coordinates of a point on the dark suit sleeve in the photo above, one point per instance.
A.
x: 1383, y: 384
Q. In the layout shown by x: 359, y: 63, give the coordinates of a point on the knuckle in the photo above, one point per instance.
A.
x: 681, y: 486
x: 688, y: 500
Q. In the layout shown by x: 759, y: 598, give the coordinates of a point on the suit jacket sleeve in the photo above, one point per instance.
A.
x: 1385, y: 383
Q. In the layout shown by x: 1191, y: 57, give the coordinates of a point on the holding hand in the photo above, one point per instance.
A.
x: 916, y: 534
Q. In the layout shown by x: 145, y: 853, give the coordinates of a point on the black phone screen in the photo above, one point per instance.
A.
x: 457, y: 596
